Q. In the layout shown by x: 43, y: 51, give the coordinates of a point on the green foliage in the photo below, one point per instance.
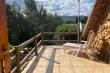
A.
x: 67, y: 28
x: 16, y: 22
x: 31, y: 14
x: 32, y: 20
x: 84, y: 20
x: 10, y: 46
x: 28, y: 49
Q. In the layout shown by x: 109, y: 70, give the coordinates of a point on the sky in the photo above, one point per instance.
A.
x: 64, y: 7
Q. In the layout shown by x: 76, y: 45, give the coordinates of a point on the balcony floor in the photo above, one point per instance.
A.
x: 53, y: 59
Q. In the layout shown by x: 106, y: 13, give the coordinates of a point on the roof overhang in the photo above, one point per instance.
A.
x: 96, y: 14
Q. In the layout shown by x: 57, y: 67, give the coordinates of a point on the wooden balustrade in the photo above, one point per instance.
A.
x: 37, y: 42
x: 62, y: 41
x: 16, y: 52
x: 63, y: 34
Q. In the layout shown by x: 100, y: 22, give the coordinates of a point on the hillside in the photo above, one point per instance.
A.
x: 72, y: 18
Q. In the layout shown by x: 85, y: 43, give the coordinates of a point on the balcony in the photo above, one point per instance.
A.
x: 45, y: 58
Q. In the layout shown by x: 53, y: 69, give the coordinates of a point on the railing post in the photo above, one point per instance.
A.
x: 17, y: 53
x: 35, y: 43
x: 63, y: 37
x: 42, y: 38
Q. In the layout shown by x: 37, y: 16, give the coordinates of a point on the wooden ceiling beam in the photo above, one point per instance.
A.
x: 103, y: 1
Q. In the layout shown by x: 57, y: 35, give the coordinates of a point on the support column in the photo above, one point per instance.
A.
x: 4, y: 49
x: 79, y: 21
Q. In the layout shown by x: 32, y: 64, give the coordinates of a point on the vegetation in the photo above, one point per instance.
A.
x: 67, y: 28
x: 24, y: 23
x: 10, y: 46
x: 27, y: 22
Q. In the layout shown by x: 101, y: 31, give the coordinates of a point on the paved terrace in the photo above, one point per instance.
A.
x: 53, y: 59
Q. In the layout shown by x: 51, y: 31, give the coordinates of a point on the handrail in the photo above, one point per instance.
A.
x: 29, y: 41
x: 26, y: 57
x: 26, y: 43
x: 66, y: 33
x: 39, y: 42
x: 60, y: 40
x: 12, y: 50
x: 13, y: 57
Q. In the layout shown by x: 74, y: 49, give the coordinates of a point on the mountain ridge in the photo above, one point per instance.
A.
x: 72, y: 18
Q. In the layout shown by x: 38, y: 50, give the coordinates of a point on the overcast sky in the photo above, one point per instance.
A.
x: 64, y: 7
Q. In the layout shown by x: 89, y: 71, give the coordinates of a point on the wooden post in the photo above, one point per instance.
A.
x: 35, y: 43
x: 1, y: 67
x: 63, y: 37
x: 17, y: 53
x: 4, y: 57
x: 42, y: 38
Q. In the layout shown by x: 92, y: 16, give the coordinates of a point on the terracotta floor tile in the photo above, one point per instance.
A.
x: 46, y: 70
x: 64, y: 58
x: 80, y: 70
x: 95, y: 70
x: 77, y: 64
x: 66, y: 70
x: 42, y: 64
x: 40, y: 70
x: 65, y: 64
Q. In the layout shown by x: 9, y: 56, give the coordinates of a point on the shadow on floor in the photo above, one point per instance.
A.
x: 36, y: 61
x: 51, y: 62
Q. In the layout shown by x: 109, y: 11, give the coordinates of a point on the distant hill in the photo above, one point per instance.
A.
x: 71, y: 18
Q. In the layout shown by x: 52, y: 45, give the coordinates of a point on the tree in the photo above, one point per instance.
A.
x: 26, y: 24
x: 31, y: 14
x: 84, y: 19
x: 17, y: 25
x: 42, y: 19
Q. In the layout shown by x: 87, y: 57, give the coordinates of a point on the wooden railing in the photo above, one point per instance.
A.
x: 63, y: 34
x: 16, y: 51
x: 37, y: 40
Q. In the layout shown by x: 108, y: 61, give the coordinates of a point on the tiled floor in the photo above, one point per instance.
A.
x: 53, y: 59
